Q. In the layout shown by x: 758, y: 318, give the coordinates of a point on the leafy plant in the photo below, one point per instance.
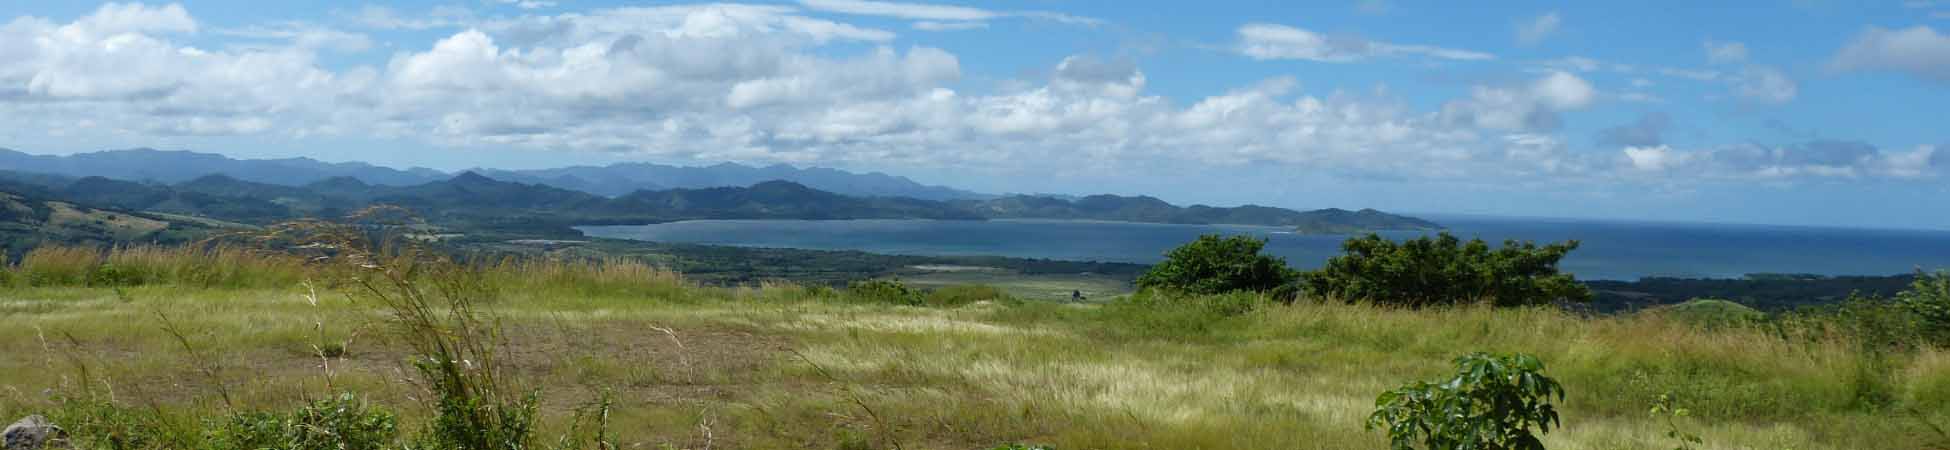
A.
x: 1667, y: 409
x: 1215, y: 265
x: 884, y: 291
x: 1928, y: 298
x: 1444, y: 270
x: 342, y: 423
x: 1492, y: 403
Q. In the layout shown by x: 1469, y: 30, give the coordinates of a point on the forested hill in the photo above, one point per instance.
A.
x: 477, y: 201
x: 611, y: 180
x: 1152, y: 210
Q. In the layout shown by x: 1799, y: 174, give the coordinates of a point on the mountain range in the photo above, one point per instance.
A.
x: 613, y: 180
x: 550, y: 202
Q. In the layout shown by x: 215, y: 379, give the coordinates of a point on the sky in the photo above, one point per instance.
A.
x: 1797, y: 113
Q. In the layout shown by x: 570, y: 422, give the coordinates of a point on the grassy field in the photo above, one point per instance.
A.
x: 783, y: 366
x: 1039, y: 287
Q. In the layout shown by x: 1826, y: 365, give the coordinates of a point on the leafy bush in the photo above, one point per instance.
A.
x: 1928, y: 299
x: 883, y: 291
x: 1491, y: 403
x: 1216, y: 265
x: 1444, y: 270
x: 343, y: 423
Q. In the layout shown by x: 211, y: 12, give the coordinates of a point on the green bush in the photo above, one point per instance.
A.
x: 1216, y: 265
x: 1492, y: 403
x: 883, y: 291
x: 113, y: 275
x: 1443, y: 271
x: 1928, y: 299
x: 343, y: 423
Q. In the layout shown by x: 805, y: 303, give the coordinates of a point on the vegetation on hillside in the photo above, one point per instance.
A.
x: 789, y: 366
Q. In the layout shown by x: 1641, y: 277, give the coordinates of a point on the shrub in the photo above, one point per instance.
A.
x: 1215, y: 265
x: 1491, y: 403
x: 1444, y: 270
x: 59, y: 266
x: 343, y: 423
x: 1928, y: 299
x: 883, y: 291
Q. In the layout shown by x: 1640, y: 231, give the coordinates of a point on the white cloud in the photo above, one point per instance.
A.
x: 917, y: 11
x: 304, y: 36
x: 1653, y: 159
x: 1533, y: 31
x: 1725, y: 52
x: 1271, y: 41
x: 929, y: 25
x: 1765, y: 85
x: 1533, y: 106
x: 771, y: 84
x: 384, y: 18
x: 1918, y: 51
x: 116, y: 18
x: 528, y: 4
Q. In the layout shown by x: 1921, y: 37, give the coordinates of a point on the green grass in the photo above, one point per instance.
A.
x: 784, y: 366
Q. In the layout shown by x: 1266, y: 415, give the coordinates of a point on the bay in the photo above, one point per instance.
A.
x: 1614, y: 250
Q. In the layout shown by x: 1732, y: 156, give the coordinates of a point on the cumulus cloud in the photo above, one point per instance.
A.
x: 1533, y: 106
x: 1533, y: 31
x: 1917, y: 51
x: 768, y: 83
x: 1271, y: 41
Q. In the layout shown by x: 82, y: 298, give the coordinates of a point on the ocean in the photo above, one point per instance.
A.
x: 1613, y: 250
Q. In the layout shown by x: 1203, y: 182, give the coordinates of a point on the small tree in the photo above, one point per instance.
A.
x: 1492, y: 403
x: 1928, y: 298
x: 1444, y: 270
x: 1215, y: 265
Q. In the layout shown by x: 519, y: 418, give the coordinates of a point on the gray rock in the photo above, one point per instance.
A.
x: 32, y: 433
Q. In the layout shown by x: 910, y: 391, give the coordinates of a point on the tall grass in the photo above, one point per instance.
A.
x: 203, y: 266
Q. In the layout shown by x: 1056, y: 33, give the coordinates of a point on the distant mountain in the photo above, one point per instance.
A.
x: 178, y: 166
x: 1153, y: 210
x: 613, y: 180
x: 477, y: 201
x: 623, y: 178
x: 772, y: 199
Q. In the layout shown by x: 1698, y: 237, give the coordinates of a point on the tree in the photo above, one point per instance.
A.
x: 1492, y: 403
x: 1214, y: 265
x: 1444, y: 270
x: 1928, y: 299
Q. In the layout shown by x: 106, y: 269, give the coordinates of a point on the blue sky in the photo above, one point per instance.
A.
x: 1808, y: 113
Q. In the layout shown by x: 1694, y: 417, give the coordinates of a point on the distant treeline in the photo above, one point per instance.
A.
x: 1766, y: 292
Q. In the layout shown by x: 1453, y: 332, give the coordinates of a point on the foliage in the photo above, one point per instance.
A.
x: 1443, y: 271
x: 433, y: 302
x: 1711, y: 313
x: 1667, y: 410
x: 342, y: 423
x: 1022, y: 447
x: 1215, y: 265
x: 1492, y: 403
x: 883, y: 291
x: 1928, y: 299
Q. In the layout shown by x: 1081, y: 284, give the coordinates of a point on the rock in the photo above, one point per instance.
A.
x: 32, y: 433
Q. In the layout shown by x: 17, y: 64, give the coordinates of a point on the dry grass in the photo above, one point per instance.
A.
x: 785, y: 366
